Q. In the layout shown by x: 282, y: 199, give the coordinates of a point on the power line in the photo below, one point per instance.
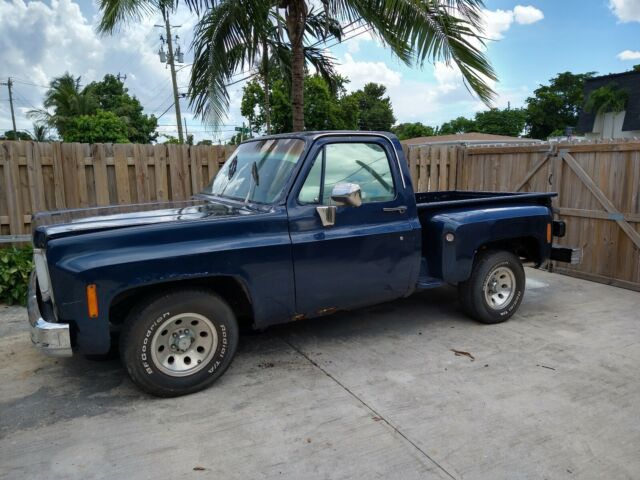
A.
x: 25, y: 82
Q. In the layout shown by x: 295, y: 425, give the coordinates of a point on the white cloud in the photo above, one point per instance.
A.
x: 360, y: 73
x: 496, y: 23
x: 626, y: 10
x: 525, y: 15
x: 447, y: 75
x: 39, y: 41
x: 629, y: 55
x: 353, y: 44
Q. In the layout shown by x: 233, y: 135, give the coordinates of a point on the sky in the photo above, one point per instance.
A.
x: 531, y: 41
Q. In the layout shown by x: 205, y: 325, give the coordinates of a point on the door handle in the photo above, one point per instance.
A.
x: 401, y: 209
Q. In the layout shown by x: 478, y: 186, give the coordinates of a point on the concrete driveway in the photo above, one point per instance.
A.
x: 378, y: 393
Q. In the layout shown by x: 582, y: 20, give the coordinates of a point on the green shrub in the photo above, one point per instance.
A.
x: 15, y: 267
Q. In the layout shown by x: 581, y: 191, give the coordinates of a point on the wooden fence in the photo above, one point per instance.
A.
x: 599, y: 198
x: 598, y: 185
x: 434, y: 167
x: 49, y: 176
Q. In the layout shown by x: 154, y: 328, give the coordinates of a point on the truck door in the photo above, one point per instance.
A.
x: 370, y: 252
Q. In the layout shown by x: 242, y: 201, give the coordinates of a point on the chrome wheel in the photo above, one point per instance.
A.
x: 184, y: 344
x: 499, y: 287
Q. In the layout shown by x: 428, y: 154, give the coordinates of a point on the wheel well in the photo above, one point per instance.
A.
x: 229, y: 288
x: 524, y: 247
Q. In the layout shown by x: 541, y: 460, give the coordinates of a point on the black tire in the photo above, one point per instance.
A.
x: 473, y: 294
x: 142, y: 330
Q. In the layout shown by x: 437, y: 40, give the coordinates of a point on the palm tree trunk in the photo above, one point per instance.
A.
x: 265, y: 76
x: 296, y: 17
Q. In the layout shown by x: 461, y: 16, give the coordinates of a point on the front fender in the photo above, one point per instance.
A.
x: 255, y: 252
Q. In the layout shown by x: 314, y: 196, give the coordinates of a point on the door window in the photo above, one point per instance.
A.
x: 366, y: 164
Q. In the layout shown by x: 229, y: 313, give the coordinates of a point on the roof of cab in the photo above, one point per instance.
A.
x: 312, y: 135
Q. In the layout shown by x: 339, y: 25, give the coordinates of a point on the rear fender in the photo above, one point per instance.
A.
x: 453, y: 239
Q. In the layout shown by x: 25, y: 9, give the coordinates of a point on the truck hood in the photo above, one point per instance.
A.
x: 62, y: 223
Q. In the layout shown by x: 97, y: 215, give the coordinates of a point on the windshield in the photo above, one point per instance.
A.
x: 257, y: 171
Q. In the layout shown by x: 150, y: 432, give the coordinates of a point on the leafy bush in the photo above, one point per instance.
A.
x: 15, y: 267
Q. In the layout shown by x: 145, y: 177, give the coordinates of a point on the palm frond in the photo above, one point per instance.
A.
x: 429, y: 30
x: 226, y: 40
x: 116, y: 13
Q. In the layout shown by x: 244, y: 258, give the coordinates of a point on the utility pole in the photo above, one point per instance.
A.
x: 172, y: 66
x: 9, y: 84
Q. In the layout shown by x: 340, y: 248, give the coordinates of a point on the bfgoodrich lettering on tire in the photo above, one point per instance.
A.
x: 178, y: 342
x: 495, y: 288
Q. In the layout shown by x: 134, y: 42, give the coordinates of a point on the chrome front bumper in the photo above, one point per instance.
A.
x: 52, y: 338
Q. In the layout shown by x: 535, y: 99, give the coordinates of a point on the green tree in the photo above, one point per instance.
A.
x: 557, y: 105
x: 65, y: 101
x: 15, y: 135
x: 41, y: 132
x: 376, y: 112
x: 101, y: 127
x: 171, y: 140
x: 457, y: 126
x: 609, y: 98
x: 510, y: 121
x: 405, y: 131
x: 325, y: 109
x: 230, y: 32
x: 113, y: 96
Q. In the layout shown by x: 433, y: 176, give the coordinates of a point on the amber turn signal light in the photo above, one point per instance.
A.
x: 548, y: 233
x: 92, y: 300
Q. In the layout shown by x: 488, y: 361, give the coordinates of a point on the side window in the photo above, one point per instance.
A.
x: 310, y: 192
x: 363, y: 163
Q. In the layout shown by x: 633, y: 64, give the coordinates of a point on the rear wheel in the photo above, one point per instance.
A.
x: 495, y: 289
x: 179, y: 342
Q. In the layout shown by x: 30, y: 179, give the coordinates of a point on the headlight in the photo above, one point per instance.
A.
x: 42, y: 272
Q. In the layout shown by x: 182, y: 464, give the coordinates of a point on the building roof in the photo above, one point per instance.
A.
x: 471, y: 138
x: 629, y: 81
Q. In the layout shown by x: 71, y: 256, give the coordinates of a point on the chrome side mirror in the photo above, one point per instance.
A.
x: 347, y: 194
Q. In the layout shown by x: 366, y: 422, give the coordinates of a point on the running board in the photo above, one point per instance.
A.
x: 425, y: 283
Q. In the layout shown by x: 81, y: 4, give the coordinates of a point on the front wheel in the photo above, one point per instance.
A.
x: 179, y: 342
x: 495, y: 289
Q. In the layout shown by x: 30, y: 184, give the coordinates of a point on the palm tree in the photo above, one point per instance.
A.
x: 236, y: 36
x: 41, y: 132
x: 67, y: 100
x: 417, y: 31
x: 607, y: 99
x: 610, y: 98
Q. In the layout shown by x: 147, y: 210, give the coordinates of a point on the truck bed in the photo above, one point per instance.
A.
x: 470, y: 199
x: 431, y: 204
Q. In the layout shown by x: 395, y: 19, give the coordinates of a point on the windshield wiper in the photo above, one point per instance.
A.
x: 256, y: 181
x: 254, y: 173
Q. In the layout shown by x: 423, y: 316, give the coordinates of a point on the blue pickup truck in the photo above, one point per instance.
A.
x: 293, y: 226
